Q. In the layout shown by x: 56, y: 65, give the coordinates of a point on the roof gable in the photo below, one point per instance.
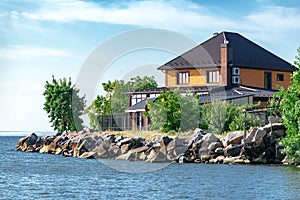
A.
x: 245, y: 53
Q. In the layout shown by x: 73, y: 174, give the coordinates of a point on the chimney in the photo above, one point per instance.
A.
x: 215, y: 34
x: 226, y: 54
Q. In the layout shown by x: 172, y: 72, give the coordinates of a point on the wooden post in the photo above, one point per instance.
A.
x: 244, y: 138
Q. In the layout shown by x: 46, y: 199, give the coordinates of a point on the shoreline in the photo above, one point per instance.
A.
x: 260, y: 146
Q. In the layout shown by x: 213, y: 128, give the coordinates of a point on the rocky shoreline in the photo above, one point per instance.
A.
x: 260, y: 146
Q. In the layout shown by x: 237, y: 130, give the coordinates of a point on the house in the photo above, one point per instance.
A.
x: 227, y: 67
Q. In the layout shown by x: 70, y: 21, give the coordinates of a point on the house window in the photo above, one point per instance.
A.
x: 183, y: 78
x: 213, y: 76
x: 280, y: 77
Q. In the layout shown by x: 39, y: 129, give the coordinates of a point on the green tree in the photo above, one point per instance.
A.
x: 173, y: 112
x: 289, y: 101
x: 115, y: 99
x: 63, y: 105
x: 219, y: 116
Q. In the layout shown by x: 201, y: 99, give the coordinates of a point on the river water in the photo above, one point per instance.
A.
x: 41, y: 176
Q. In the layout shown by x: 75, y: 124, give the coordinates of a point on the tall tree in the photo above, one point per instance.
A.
x: 289, y: 101
x: 63, y: 105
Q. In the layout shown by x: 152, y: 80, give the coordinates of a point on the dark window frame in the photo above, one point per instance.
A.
x: 268, y: 80
x: 280, y: 77
x: 213, y: 78
x: 183, y: 78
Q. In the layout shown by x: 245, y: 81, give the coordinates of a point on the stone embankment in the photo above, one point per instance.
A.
x: 261, y: 145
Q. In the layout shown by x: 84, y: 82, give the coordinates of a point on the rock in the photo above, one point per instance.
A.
x: 150, y: 144
x: 233, y: 150
x: 126, y: 147
x: 156, y: 156
x: 110, y: 137
x: 127, y: 156
x: 260, y: 160
x: 177, y: 147
x: 278, y: 147
x: 101, y: 151
x: 199, y: 131
x: 230, y: 160
x: 113, y: 151
x: 233, y: 138
x: 209, y: 138
x: 139, y: 150
x: 88, y: 155
x: 30, y: 149
x: 31, y: 140
x: 250, y: 136
x: 67, y: 153
x: 180, y: 151
x: 219, y: 151
x: 214, y: 145
x: 119, y: 138
x: 273, y: 119
x: 278, y: 133
x: 205, y: 157
x: 275, y: 126
x: 89, y: 142
x: 258, y: 136
x: 142, y: 156
x: 183, y: 159
x: 21, y: 143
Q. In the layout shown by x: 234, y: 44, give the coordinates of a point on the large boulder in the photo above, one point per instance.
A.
x: 127, y: 156
x: 31, y: 139
x: 176, y: 147
x: 206, y: 141
x: 233, y: 138
x: 101, y: 152
x: 233, y: 150
x: 156, y: 156
x: 209, y: 138
x: 259, y: 135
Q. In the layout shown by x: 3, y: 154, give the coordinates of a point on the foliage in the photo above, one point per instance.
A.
x: 290, y: 106
x: 219, y: 116
x: 100, y: 106
x: 173, y: 112
x: 115, y: 101
x: 240, y: 118
x: 63, y: 105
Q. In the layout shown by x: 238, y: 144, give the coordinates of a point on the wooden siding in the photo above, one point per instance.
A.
x: 255, y: 78
x: 197, y: 77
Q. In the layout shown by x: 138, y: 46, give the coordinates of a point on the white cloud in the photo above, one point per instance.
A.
x: 143, y: 13
x: 277, y: 17
x: 16, y: 51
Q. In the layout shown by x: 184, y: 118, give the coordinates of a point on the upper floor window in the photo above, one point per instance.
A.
x: 213, y: 76
x: 183, y: 77
x: 280, y: 77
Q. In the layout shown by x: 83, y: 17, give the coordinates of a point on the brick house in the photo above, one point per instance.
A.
x: 227, y: 66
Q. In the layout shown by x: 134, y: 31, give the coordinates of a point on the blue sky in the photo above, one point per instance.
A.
x: 42, y: 38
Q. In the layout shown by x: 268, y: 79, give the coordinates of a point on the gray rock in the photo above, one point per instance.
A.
x: 233, y: 150
x: 233, y: 138
x: 156, y: 156
x: 259, y: 134
x: 214, y: 145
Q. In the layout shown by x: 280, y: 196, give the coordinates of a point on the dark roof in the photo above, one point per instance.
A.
x: 140, y: 106
x: 245, y: 54
x: 214, y: 93
x: 193, y: 89
x: 256, y: 92
x: 221, y: 95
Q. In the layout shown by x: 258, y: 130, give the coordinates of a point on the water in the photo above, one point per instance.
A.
x: 41, y: 176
